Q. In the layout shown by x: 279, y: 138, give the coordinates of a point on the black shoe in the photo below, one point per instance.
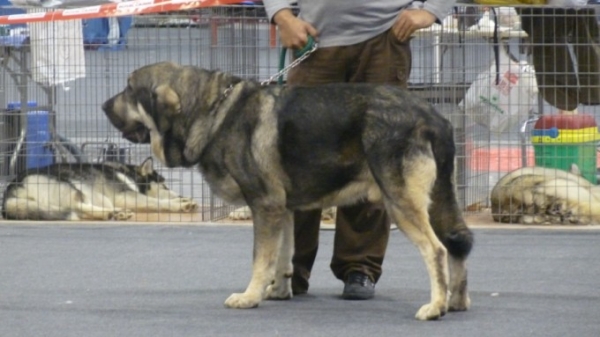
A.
x: 358, y: 286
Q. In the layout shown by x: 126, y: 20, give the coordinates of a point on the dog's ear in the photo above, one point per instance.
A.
x: 575, y: 170
x: 147, y: 167
x: 167, y: 99
x: 146, y: 98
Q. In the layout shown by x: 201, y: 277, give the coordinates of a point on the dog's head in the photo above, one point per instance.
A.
x: 150, y: 182
x: 160, y: 104
x: 149, y: 90
x: 147, y: 109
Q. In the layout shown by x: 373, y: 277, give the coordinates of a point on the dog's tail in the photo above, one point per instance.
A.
x: 445, y: 214
x: 25, y: 209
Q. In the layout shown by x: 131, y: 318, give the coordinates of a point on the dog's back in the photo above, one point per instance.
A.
x: 545, y: 196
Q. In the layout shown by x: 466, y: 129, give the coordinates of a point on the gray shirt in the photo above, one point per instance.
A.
x: 347, y: 22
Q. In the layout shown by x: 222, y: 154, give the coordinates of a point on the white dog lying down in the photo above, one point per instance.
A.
x: 539, y: 195
x: 90, y: 191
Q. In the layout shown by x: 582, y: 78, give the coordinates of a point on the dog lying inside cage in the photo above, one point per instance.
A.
x: 539, y: 195
x: 90, y: 191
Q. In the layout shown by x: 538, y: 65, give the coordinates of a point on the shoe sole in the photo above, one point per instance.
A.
x: 357, y: 297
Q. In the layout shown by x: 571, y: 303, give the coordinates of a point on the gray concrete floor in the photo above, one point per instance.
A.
x: 171, y: 280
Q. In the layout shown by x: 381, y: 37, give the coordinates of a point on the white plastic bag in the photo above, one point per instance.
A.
x: 57, y: 54
x: 501, y: 106
x: 567, y: 3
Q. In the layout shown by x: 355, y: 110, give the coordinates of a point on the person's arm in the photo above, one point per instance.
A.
x: 439, y: 8
x: 293, y: 32
x: 421, y: 15
x: 274, y: 6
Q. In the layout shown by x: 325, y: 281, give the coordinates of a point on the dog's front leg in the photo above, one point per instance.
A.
x: 268, y: 237
x: 102, y: 210
x: 143, y: 203
x: 281, y: 289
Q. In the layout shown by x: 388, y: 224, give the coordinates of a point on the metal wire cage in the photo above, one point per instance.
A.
x: 67, y: 118
x: 457, y: 66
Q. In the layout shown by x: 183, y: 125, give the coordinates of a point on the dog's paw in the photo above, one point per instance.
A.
x: 121, y: 214
x: 328, y: 214
x: 242, y: 301
x: 188, y: 205
x: 430, y: 312
x: 459, y: 302
x: 280, y: 290
x: 242, y: 213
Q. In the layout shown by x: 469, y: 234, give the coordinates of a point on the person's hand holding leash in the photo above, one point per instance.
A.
x: 410, y: 20
x: 293, y: 32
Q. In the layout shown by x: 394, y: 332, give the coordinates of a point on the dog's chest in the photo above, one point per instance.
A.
x: 224, y: 186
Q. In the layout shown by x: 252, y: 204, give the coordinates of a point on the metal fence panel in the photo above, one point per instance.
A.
x: 448, y: 61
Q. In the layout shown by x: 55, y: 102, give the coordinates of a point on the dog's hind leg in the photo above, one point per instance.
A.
x: 41, y: 197
x: 269, y: 223
x: 143, y: 203
x: 30, y: 209
x: 406, y: 195
x: 451, y: 229
x: 459, y: 295
x: 458, y: 240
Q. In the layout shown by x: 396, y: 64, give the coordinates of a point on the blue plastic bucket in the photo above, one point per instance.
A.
x: 38, y: 154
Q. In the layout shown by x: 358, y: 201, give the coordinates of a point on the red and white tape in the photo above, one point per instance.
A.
x: 113, y: 9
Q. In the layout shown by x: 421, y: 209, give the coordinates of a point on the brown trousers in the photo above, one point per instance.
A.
x: 551, y: 31
x: 363, y: 229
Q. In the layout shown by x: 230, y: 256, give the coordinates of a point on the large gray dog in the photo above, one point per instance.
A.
x: 279, y: 149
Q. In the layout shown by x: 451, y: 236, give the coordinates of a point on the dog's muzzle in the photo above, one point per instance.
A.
x: 133, y: 131
x: 138, y: 134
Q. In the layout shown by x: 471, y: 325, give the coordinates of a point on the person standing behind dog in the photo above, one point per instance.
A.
x: 359, y: 41
x: 564, y: 81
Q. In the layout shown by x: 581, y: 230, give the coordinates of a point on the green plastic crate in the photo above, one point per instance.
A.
x: 561, y: 156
